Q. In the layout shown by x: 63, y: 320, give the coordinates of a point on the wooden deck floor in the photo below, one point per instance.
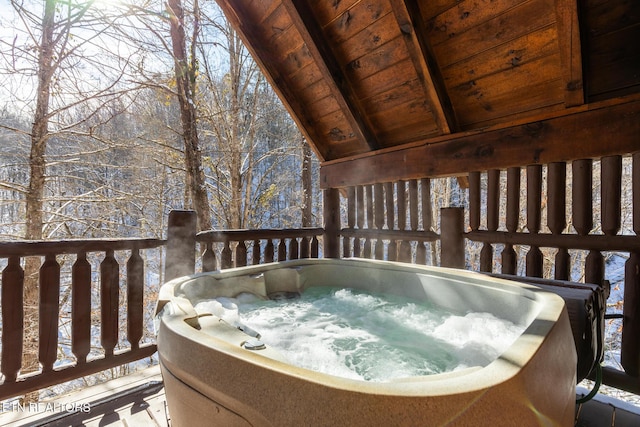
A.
x: 139, y: 400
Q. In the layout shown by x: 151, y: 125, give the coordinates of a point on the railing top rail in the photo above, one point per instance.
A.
x: 243, y: 234
x: 374, y: 233
x: 72, y: 246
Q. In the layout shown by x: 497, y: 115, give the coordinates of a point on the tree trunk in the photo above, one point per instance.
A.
x: 35, y: 193
x: 307, y: 187
x: 185, y: 84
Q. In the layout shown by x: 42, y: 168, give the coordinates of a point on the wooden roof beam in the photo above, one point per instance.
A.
x: 595, y: 131
x: 306, y: 24
x: 408, y: 15
x: 568, y: 25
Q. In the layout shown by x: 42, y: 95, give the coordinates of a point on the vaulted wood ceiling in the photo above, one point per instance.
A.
x: 424, y: 87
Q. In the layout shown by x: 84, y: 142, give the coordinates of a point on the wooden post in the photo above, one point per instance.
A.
x: 181, y: 245
x: 331, y: 212
x: 452, y: 237
x: 630, y: 352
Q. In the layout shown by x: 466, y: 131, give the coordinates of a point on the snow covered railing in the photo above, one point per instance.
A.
x: 51, y: 315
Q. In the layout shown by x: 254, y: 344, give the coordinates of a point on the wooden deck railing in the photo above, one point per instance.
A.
x: 520, y: 232
x: 229, y: 248
x: 101, y: 285
x: 52, y: 287
x: 557, y: 248
x: 375, y: 231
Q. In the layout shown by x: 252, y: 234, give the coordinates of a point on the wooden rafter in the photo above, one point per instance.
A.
x: 408, y: 16
x: 570, y: 51
x: 341, y: 89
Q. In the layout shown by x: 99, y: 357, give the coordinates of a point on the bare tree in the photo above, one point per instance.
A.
x: 185, y: 75
x: 55, y: 41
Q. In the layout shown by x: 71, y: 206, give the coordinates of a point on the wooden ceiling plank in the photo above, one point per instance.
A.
x: 311, y: 33
x: 413, y: 29
x: 601, y: 130
x: 570, y: 51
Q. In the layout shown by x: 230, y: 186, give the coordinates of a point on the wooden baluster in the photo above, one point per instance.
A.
x: 12, y: 319
x: 109, y: 302
x: 509, y: 260
x: 304, y: 247
x: 225, y: 256
x: 241, y: 254
x: 282, y: 250
x: 404, y: 251
x: 401, y: 193
x: 357, y: 248
x: 534, y: 209
x: 452, y: 237
x: 135, y: 295
x: 392, y: 249
x: 315, y: 247
x: 370, y: 221
x: 427, y: 213
x: 611, y: 188
x: 404, y: 255
x: 557, y: 214
x: 427, y: 219
x: 332, y: 227
x: 378, y: 191
x: 413, y: 204
x: 493, y: 214
x: 630, y: 352
x: 583, y: 216
x: 474, y: 201
x: 256, y: 252
x: 49, y: 290
x: 293, y: 248
x: 582, y: 198
x: 268, y: 251
x: 405, y: 246
x: 390, y: 205
x: 421, y: 253
x: 351, y: 221
x: 81, y: 308
x: 209, y: 258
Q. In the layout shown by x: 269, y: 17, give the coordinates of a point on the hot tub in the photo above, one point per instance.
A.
x: 217, y: 374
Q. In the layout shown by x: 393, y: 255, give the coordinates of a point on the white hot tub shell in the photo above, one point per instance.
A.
x: 211, y: 379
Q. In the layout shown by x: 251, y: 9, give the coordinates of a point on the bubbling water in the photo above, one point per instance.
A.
x: 373, y: 337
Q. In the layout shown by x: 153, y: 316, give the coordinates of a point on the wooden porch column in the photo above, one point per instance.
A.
x: 180, y: 259
x: 331, y: 213
x: 452, y: 237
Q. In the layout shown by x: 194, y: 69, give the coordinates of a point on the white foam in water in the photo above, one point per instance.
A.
x: 351, y: 334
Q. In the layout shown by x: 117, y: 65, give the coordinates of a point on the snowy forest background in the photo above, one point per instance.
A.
x: 116, y: 159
